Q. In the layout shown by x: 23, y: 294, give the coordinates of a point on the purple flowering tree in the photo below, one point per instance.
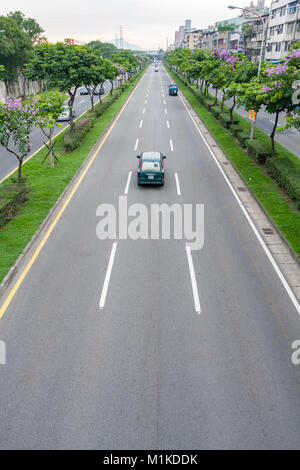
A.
x: 277, y: 89
x: 17, y: 119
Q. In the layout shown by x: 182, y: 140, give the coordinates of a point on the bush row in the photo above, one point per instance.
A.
x: 287, y: 175
x: 282, y: 170
x: 12, y: 198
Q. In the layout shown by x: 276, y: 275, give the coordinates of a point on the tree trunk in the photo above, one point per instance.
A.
x: 20, y: 171
x: 92, y: 100
x: 272, y: 136
x: 252, y: 130
x: 216, y: 97
x: 51, y: 154
x: 232, y: 108
x: 202, y: 84
x: 70, y: 104
x: 223, y: 99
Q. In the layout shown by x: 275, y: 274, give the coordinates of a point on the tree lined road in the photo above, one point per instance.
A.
x: 9, y: 162
x: 147, y: 370
x: 290, y: 139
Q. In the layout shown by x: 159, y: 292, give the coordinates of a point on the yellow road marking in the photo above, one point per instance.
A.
x: 51, y: 228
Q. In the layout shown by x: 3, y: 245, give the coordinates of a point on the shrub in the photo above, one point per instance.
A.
x: 287, y: 175
x: 258, y: 150
x: 12, y: 197
x: 235, y: 130
x: 243, y: 136
x: 216, y: 111
x: 225, y: 120
x: 73, y: 139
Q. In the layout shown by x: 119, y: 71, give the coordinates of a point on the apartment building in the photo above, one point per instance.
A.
x: 193, y: 39
x: 284, y: 28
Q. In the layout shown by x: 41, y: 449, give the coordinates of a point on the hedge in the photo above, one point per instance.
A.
x: 242, y: 137
x: 12, y: 198
x: 258, y: 150
x: 287, y: 176
x: 225, y: 120
x: 235, y: 129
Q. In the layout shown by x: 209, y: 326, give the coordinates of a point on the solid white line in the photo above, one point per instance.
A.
x: 250, y: 221
x: 193, y: 280
x: 128, y: 183
x: 141, y: 123
x: 136, y: 144
x: 171, y: 145
x: 107, y: 277
x: 168, y: 125
x: 177, y: 184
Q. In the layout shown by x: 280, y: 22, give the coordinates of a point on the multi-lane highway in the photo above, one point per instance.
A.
x: 8, y: 162
x: 124, y: 344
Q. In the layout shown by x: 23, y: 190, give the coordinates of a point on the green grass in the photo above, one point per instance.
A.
x: 47, y: 184
x: 281, y: 210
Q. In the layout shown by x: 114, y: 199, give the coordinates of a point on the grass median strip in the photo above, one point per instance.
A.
x: 282, y: 211
x: 47, y: 184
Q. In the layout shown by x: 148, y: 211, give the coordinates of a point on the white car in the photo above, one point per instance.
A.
x: 65, y: 115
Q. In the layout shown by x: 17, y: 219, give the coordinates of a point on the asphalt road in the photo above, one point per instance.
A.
x: 8, y: 162
x: 147, y: 371
x: 289, y: 138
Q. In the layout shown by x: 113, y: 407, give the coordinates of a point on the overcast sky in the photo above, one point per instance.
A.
x: 146, y: 22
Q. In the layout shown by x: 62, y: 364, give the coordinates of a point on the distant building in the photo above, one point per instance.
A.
x: 253, y: 31
x: 284, y: 28
x: 193, y: 39
x: 177, y: 38
x: 229, y: 39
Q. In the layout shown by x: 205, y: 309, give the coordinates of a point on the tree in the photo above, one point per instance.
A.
x: 28, y: 25
x: 64, y: 66
x: 226, y: 27
x: 15, y: 47
x: 278, y: 90
x: 107, y: 50
x: 17, y: 119
x: 51, y: 105
x: 243, y: 73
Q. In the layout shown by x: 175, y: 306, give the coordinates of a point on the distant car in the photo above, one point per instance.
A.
x: 84, y: 91
x: 156, y: 70
x: 65, y: 115
x: 151, y: 168
x: 99, y: 90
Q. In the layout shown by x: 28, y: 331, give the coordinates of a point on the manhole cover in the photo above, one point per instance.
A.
x: 268, y: 231
x: 225, y: 163
x: 242, y: 190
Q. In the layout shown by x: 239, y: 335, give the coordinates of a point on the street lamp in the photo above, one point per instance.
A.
x: 264, y: 22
